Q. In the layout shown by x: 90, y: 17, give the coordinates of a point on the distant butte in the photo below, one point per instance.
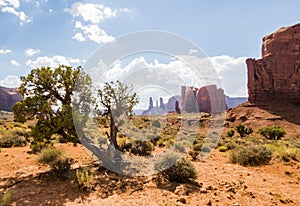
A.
x: 276, y: 76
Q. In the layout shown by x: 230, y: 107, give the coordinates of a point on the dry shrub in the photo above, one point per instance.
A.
x: 253, y: 155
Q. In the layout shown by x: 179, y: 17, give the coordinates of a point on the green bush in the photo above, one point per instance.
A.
x: 15, y: 141
x: 156, y: 123
x: 141, y: 147
x: 230, y: 133
x: 7, y: 197
x: 194, y: 154
x: 49, y: 155
x: 176, y: 170
x: 272, y: 132
x: 243, y: 131
x: 84, y: 179
x: 253, y: 155
x: 285, y: 153
x: 223, y: 148
x: 197, y: 147
x: 61, y: 166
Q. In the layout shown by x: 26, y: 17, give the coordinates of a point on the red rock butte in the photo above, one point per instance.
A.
x: 276, y: 76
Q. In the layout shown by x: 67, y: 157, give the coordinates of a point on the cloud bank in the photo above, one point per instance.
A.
x: 87, y: 17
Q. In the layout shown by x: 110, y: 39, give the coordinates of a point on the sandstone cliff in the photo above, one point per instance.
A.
x: 8, y: 97
x: 208, y: 99
x: 276, y: 76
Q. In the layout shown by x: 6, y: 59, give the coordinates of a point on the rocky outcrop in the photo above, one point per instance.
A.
x: 276, y: 76
x: 8, y: 97
x: 171, y: 103
x: 208, y: 99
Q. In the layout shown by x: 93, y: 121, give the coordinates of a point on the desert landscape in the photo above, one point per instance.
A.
x: 253, y: 160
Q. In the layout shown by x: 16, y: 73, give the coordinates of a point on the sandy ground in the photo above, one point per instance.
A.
x: 219, y: 183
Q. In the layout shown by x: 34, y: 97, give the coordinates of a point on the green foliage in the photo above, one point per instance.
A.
x: 6, y: 198
x: 230, y: 133
x: 253, y: 155
x: 49, y: 155
x: 179, y: 170
x: 243, y: 131
x: 156, y: 123
x: 60, y: 167
x: 272, y: 132
x: 84, y: 179
x: 15, y: 141
x: 197, y: 147
x: 194, y: 154
x: 118, y: 99
x: 43, y: 90
x: 142, y: 147
x: 284, y: 152
x: 223, y: 148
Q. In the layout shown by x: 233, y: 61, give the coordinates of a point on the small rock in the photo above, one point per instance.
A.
x: 235, y: 204
x: 209, y: 203
x: 182, y: 200
x: 209, y: 187
x: 202, y: 190
x: 181, y: 190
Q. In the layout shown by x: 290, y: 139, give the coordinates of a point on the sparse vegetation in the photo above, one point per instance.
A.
x: 253, y: 155
x: 61, y: 166
x: 84, y: 179
x: 272, y: 132
x: 175, y: 169
x: 285, y: 153
x: 49, y: 155
x: 230, y: 133
x: 243, y: 131
x: 15, y: 141
x: 223, y: 148
x: 6, y: 197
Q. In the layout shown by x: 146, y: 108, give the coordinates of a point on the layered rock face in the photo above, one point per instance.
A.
x: 276, y: 76
x: 208, y: 99
x: 8, y: 97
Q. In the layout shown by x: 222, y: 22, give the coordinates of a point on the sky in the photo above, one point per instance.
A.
x: 37, y: 33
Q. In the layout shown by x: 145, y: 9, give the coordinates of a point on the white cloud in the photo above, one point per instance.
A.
x: 92, y: 15
x: 233, y: 74
x: 31, y: 52
x: 15, y: 63
x: 79, y: 37
x: 10, y: 81
x: 54, y: 61
x: 94, y: 33
x: 22, y: 16
x: 230, y: 71
x: 13, y: 3
x: 5, y: 51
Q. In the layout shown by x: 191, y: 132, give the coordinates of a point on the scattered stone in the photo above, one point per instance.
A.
x: 182, y: 200
x: 209, y: 187
x: 209, y: 203
x: 203, y: 190
x: 181, y: 190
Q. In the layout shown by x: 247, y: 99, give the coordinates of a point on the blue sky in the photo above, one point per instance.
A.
x: 49, y: 32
